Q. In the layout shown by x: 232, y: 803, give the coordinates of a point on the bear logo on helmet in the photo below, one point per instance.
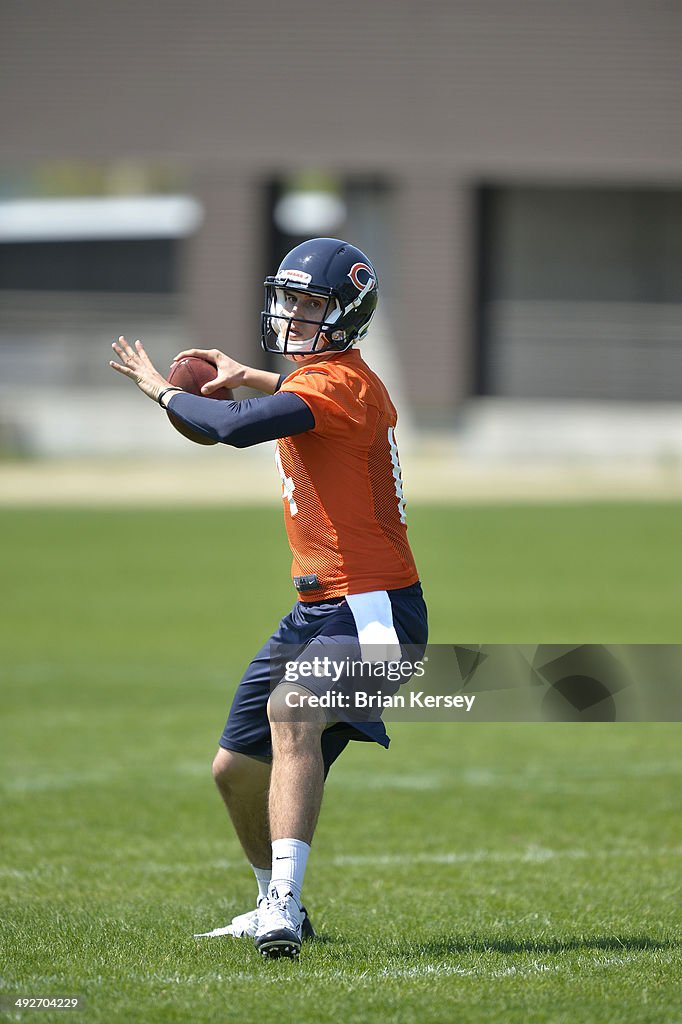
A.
x: 369, y: 282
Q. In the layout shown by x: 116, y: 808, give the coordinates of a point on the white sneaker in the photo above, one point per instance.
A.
x: 280, y: 924
x: 245, y: 926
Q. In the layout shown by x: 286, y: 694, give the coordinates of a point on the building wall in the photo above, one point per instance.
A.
x: 436, y: 97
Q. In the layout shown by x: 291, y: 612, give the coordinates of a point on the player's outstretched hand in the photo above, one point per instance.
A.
x: 230, y: 373
x: 136, y: 364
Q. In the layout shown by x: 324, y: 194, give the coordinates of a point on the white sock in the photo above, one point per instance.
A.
x: 263, y: 878
x: 289, y: 859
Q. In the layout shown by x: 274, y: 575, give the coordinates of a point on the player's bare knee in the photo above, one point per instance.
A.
x: 228, y: 769
x: 236, y: 773
x: 223, y: 766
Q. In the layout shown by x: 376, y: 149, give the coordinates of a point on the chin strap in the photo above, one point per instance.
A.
x: 356, y: 302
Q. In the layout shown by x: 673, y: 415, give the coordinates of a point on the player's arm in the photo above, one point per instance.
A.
x: 231, y: 374
x: 242, y: 424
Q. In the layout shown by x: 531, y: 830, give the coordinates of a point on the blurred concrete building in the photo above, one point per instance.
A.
x: 515, y: 170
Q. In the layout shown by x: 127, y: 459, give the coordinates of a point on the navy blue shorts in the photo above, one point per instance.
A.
x: 247, y: 730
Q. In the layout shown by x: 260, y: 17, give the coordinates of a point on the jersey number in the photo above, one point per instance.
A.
x: 397, y: 475
x: 288, y: 485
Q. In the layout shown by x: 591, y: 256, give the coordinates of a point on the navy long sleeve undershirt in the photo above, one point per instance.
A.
x: 245, y: 423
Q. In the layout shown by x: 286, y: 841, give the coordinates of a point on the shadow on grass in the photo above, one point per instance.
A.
x: 481, y: 944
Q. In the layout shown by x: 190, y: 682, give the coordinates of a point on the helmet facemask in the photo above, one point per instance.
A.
x: 317, y: 335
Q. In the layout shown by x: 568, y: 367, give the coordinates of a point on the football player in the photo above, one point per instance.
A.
x: 353, y: 570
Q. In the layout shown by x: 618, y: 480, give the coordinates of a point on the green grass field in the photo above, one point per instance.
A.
x: 473, y: 873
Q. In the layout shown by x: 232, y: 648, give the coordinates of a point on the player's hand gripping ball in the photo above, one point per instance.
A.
x: 190, y: 374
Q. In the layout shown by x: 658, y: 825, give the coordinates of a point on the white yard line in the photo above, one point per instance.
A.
x: 65, y: 780
x: 531, y: 780
x: 204, y: 480
x: 343, y: 976
x: 530, y: 855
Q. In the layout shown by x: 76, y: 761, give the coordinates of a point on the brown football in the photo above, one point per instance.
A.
x: 191, y: 374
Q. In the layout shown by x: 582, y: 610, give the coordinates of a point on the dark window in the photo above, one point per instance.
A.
x: 128, y: 265
x: 580, y: 293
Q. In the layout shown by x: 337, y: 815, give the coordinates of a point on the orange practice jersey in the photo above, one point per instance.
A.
x: 341, y: 483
